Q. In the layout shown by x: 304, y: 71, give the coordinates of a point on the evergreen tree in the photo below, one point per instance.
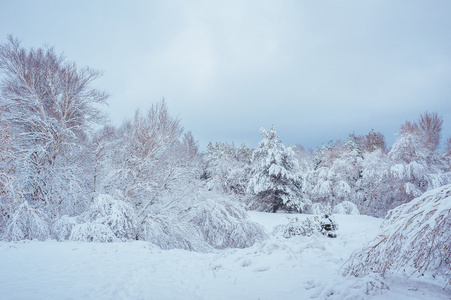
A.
x: 274, y: 177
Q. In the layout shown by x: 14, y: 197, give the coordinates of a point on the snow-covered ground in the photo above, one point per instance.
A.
x: 277, y: 268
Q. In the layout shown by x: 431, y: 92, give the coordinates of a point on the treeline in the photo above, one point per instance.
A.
x: 62, y: 177
x: 359, y: 172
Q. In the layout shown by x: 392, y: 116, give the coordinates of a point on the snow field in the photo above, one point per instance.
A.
x: 277, y: 268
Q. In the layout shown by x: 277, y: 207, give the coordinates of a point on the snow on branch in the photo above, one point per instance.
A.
x: 92, y: 232
x: 107, y: 220
x: 27, y: 223
x: 415, y: 239
x: 119, y: 216
x: 223, y: 223
x: 168, y: 232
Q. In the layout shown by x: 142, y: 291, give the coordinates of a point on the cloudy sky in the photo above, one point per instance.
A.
x: 317, y: 70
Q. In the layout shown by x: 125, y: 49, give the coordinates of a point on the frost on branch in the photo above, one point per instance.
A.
x: 324, y: 224
x: 27, y: 223
x: 415, y: 239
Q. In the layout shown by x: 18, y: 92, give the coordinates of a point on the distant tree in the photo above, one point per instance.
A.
x: 336, y: 175
x: 430, y: 127
x: 376, y: 184
x: 373, y: 141
x: 417, y: 167
x: 447, y: 154
x: 274, y: 175
x: 227, y: 167
x: 326, y: 154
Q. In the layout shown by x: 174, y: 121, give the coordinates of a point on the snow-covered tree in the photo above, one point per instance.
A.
x: 227, y: 167
x: 108, y: 219
x: 201, y: 218
x: 26, y: 223
x: 447, y: 155
x: 51, y: 107
x: 417, y: 167
x: 138, y: 157
x: 9, y: 192
x: 336, y: 174
x: 274, y: 178
x: 373, y: 141
x: 415, y: 240
x: 376, y: 184
x: 222, y: 221
x: 346, y: 208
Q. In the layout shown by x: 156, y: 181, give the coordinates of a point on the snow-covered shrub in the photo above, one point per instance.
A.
x: 226, y: 168
x: 415, y: 239
x: 27, y: 223
x: 168, y: 232
x: 307, y: 227
x: 346, y: 208
x: 92, y: 232
x: 324, y: 224
x: 119, y: 216
x: 62, y: 228
x: 317, y: 209
x: 222, y: 223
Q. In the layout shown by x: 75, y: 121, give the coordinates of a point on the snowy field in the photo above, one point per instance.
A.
x: 278, y: 268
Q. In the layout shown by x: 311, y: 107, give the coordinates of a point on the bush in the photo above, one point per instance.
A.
x: 92, y: 232
x: 346, y: 208
x: 171, y: 233
x: 118, y: 215
x: 415, y: 239
x: 62, y: 228
x: 27, y: 223
x: 318, y: 209
x: 223, y: 223
x: 324, y: 224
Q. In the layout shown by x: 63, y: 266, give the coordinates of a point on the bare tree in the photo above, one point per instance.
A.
x: 135, y: 158
x: 430, y: 126
x: 51, y: 106
x: 373, y: 141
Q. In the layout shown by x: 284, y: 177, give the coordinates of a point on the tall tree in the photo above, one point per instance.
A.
x: 51, y: 106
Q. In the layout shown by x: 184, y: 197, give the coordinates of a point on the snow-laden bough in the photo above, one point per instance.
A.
x: 415, y: 239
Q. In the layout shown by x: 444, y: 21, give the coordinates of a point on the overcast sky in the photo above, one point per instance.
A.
x: 317, y: 70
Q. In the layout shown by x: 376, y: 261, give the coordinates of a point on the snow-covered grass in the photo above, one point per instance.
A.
x: 277, y: 268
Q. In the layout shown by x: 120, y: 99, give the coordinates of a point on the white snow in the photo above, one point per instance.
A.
x: 277, y: 268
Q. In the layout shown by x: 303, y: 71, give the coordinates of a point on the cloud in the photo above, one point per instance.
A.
x: 317, y: 71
